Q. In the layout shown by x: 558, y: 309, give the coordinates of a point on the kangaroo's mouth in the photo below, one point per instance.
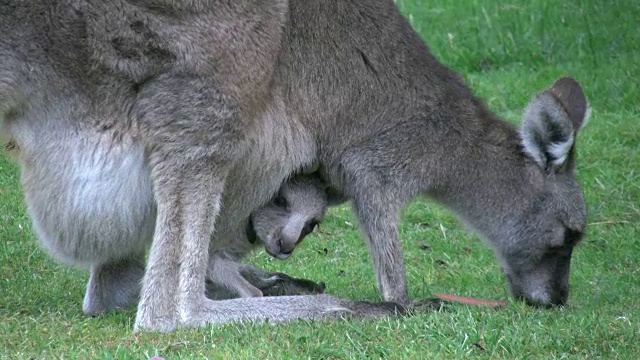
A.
x: 539, y: 298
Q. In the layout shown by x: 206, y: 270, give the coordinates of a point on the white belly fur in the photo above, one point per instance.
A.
x: 90, y: 197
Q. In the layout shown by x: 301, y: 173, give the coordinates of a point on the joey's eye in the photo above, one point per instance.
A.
x: 250, y: 231
x: 280, y: 201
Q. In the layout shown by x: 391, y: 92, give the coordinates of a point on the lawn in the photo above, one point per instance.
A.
x: 507, y: 51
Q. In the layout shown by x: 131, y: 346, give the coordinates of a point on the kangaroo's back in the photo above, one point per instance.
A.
x: 353, y: 70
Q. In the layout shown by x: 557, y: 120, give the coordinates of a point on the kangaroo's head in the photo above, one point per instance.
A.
x: 293, y: 214
x: 550, y: 216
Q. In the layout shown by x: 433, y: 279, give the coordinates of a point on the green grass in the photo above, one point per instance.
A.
x: 507, y: 51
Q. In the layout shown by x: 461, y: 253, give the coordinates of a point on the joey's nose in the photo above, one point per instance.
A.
x: 285, y: 249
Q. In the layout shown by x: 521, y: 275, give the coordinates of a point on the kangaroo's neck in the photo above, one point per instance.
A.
x: 489, y: 176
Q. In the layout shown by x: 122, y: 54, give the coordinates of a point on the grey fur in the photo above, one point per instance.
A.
x: 218, y: 103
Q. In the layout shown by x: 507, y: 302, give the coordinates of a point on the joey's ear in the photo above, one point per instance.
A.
x: 551, y: 121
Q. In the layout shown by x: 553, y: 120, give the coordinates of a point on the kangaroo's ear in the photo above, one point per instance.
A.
x: 551, y: 122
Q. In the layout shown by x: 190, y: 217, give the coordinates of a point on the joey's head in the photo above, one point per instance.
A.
x: 539, y: 233
x: 289, y: 217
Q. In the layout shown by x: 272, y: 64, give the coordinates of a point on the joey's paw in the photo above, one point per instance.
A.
x: 280, y: 284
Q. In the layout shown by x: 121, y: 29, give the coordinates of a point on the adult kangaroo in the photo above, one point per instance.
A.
x: 218, y: 103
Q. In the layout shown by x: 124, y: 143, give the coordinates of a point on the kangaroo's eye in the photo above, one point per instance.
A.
x: 563, y: 251
x: 572, y: 237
